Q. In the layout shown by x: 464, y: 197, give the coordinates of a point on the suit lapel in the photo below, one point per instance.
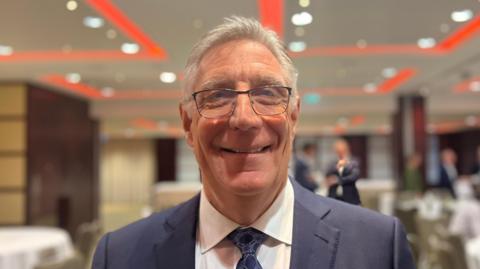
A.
x: 314, y: 242
x: 176, y: 248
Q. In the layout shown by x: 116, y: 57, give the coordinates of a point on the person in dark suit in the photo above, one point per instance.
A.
x: 239, y: 113
x: 303, y: 167
x: 342, y: 175
x: 448, y: 171
x: 475, y: 169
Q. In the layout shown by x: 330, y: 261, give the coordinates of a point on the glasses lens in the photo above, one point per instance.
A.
x: 215, y: 103
x: 270, y: 100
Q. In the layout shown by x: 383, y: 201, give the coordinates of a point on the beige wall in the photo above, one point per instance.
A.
x: 12, y: 153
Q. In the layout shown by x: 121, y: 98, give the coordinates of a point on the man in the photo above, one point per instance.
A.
x: 342, y: 174
x: 303, y: 167
x: 448, y: 171
x: 239, y: 113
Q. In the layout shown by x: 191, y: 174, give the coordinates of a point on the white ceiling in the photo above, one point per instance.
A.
x: 47, y: 26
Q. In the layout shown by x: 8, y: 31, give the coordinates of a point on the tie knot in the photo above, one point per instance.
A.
x: 247, y: 239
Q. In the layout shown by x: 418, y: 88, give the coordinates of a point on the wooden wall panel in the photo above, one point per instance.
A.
x: 12, y: 172
x: 12, y: 207
x: 12, y: 100
x: 12, y: 136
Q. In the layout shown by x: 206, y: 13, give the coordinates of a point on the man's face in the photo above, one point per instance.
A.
x: 243, y: 154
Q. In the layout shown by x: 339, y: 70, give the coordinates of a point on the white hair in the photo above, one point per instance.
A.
x: 238, y: 28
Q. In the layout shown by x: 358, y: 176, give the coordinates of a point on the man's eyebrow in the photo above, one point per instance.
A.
x: 219, y: 82
x: 258, y: 81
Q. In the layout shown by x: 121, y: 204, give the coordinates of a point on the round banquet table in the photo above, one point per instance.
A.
x: 25, y: 247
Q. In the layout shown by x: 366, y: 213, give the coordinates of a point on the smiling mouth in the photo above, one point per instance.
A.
x: 247, y: 151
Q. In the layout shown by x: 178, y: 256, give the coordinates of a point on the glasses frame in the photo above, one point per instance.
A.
x: 194, y: 95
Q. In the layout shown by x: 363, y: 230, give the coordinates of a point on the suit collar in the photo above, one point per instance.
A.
x: 176, y: 247
x: 314, y: 241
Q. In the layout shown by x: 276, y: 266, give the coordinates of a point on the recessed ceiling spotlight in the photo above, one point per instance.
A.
x: 108, y: 91
x: 5, y: 50
x: 471, y: 120
x: 474, y: 86
x: 73, y: 78
x: 71, y: 5
x: 297, y: 46
x: 130, y: 48
x: 299, y: 31
x: 168, y: 77
x: 302, y: 18
x: 111, y: 34
x: 389, y: 72
x: 461, y: 15
x: 361, y: 43
x: 93, y: 22
x: 426, y: 42
x: 304, y: 3
x: 370, y: 88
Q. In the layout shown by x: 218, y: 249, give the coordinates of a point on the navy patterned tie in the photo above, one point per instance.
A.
x: 247, y: 240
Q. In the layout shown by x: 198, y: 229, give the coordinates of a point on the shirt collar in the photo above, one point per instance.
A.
x: 276, y: 222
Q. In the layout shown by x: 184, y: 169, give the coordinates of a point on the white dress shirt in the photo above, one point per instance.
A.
x: 214, y: 251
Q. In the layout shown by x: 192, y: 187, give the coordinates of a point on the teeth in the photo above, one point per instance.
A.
x: 247, y: 151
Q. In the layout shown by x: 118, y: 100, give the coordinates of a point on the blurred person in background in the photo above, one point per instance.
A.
x: 413, y: 175
x: 465, y: 220
x: 475, y: 170
x: 448, y: 171
x: 342, y: 174
x: 239, y: 112
x: 304, y: 163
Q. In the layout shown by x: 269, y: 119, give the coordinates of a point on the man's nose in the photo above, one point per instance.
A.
x: 244, y: 117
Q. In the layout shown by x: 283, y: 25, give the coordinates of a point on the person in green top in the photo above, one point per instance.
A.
x: 413, y: 175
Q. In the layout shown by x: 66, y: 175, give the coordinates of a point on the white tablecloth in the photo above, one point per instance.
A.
x: 473, y: 253
x: 26, y: 247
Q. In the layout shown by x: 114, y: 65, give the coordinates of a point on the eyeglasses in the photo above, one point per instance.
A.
x: 265, y: 101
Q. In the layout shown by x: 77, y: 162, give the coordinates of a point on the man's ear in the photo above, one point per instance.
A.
x: 294, y: 114
x: 186, y: 124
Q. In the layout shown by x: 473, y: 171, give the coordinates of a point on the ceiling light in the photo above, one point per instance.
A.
x: 130, y: 48
x: 111, y: 34
x: 297, y: 46
x: 299, y: 31
x: 461, y: 15
x: 108, y: 92
x: 302, y: 18
x: 389, y: 72
x: 471, y: 120
x: 5, y: 50
x: 474, y: 86
x: 93, y: 22
x: 304, y: 3
x: 72, y: 5
x: 426, y: 43
x: 311, y: 98
x: 168, y: 77
x: 73, y: 78
x: 361, y: 43
x: 370, y: 88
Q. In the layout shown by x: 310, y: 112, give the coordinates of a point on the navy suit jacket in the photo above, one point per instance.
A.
x: 327, y: 234
x: 347, y: 180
